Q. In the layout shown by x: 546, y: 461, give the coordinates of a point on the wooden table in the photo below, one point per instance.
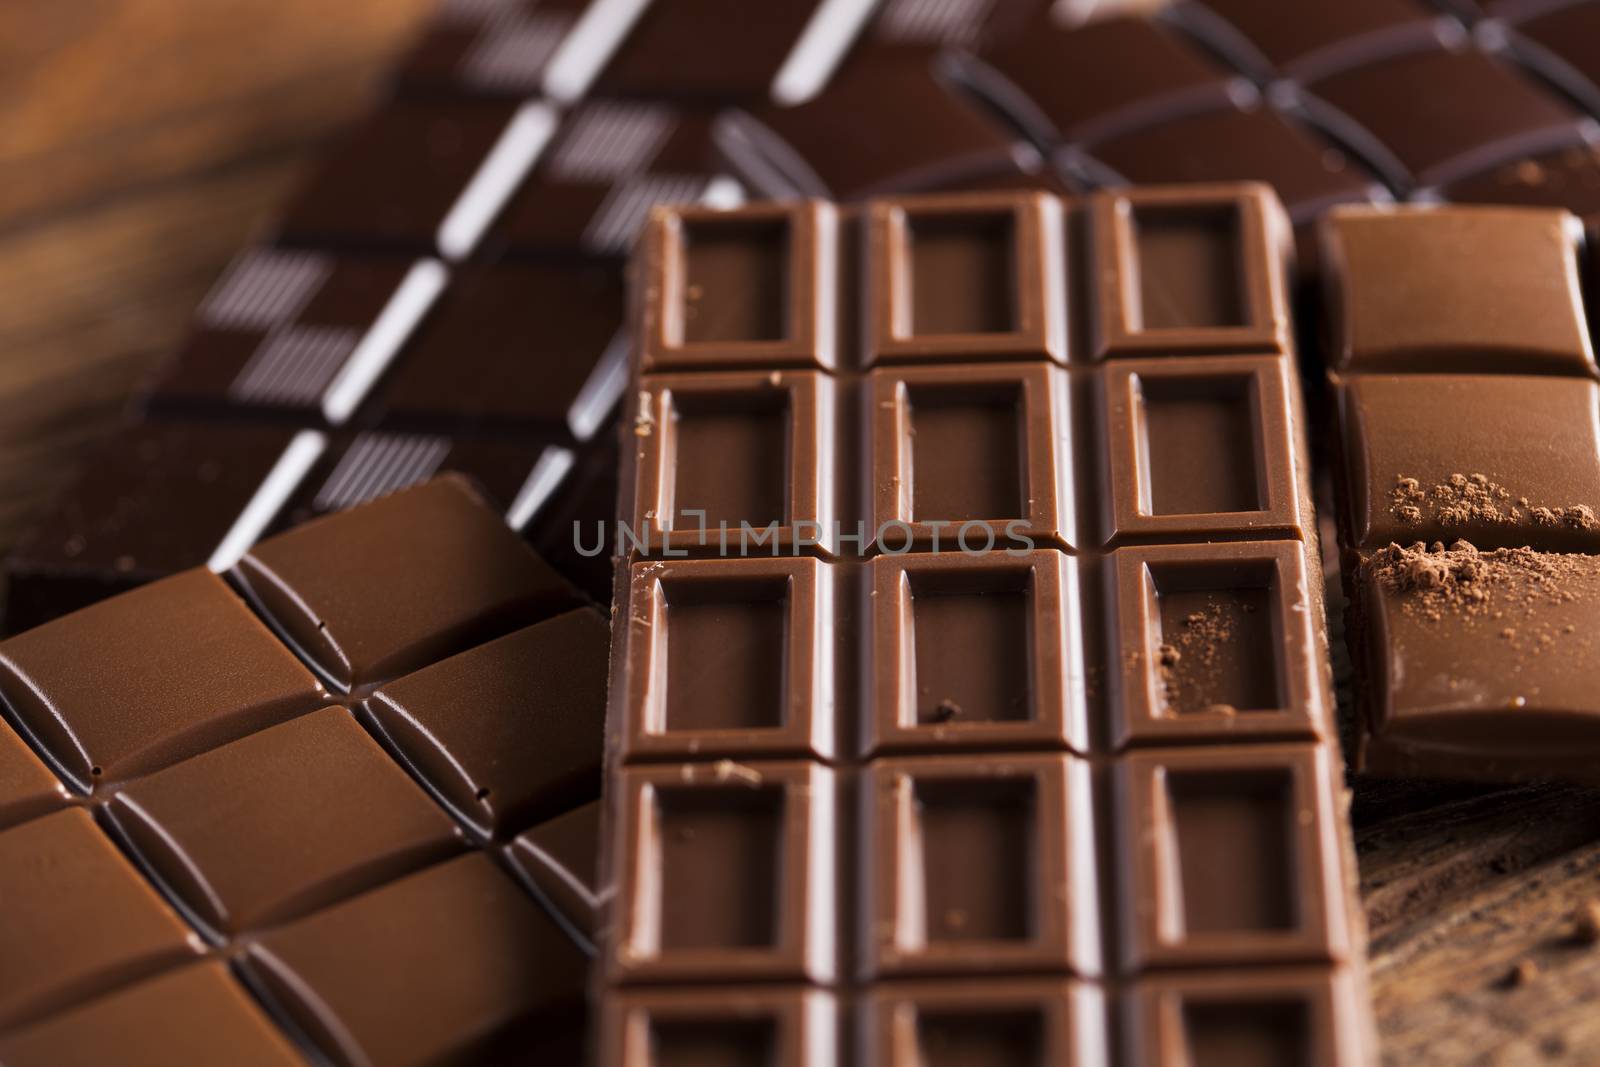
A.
x: 143, y: 141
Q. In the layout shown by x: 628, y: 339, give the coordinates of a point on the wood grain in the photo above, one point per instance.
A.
x: 143, y: 141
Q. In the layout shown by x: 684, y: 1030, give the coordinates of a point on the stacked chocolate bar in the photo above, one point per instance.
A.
x: 445, y: 292
x: 339, y: 807
x: 970, y: 699
x: 1469, y: 434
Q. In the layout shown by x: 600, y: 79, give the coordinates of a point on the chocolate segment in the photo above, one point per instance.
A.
x: 90, y: 924
x: 251, y: 864
x: 559, y: 859
x: 507, y: 732
x: 27, y: 788
x: 192, y: 1015
x: 733, y: 1026
x: 1202, y: 447
x: 1183, y: 280
x: 1486, y: 291
x: 1411, y: 475
x: 150, y: 695
x: 488, y: 975
x: 1018, y: 1021
x: 449, y: 573
x: 1224, y: 1018
x: 902, y: 773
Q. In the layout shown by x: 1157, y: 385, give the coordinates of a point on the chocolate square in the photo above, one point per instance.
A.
x: 1201, y: 449
x: 1319, y: 39
x: 80, y: 919
x: 507, y: 732
x: 1492, y: 650
x: 976, y: 652
x: 1469, y: 290
x: 489, y: 975
x: 966, y: 277
x: 732, y: 1026
x: 996, y: 1024
x: 1215, y: 642
x: 738, y: 663
x: 1229, y: 855
x: 109, y: 696
x: 975, y: 455
x: 1224, y: 1018
x: 741, y: 291
x: 974, y: 866
x: 154, y: 1022
x: 1413, y: 473
x: 725, y: 874
x: 1109, y: 75
x: 449, y: 573
x: 722, y: 452
x: 1179, y: 272
x: 225, y: 832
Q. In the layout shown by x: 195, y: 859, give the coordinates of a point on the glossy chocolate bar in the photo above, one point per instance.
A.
x: 969, y: 698
x: 267, y: 817
x: 1469, y: 473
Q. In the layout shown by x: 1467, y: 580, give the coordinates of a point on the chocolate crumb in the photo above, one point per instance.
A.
x: 1523, y: 974
x: 944, y: 711
x: 1475, y: 499
x: 1586, y: 925
x: 1190, y: 660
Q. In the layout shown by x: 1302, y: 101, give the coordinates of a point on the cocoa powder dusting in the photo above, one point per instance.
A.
x: 1505, y: 587
x: 1190, y: 661
x: 1474, y: 499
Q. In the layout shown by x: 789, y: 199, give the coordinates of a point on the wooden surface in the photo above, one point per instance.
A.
x: 141, y: 143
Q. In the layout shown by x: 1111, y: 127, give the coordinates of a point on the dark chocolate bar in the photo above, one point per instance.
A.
x: 302, y: 832
x: 969, y: 691
x: 1470, y: 477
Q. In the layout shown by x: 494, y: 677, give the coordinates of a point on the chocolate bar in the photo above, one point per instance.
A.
x: 969, y: 697
x: 1469, y: 474
x: 281, y: 799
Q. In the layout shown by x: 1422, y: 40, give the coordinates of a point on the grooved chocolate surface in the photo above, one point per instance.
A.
x: 1018, y: 701
x: 231, y: 867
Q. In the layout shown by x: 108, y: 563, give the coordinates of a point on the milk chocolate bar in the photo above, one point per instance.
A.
x: 970, y: 699
x: 267, y: 816
x: 1470, y: 473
